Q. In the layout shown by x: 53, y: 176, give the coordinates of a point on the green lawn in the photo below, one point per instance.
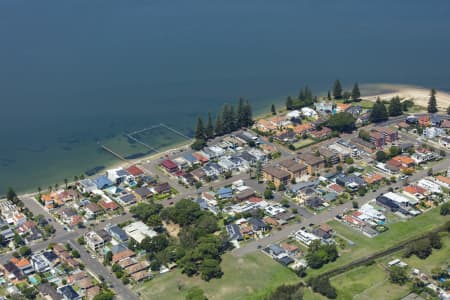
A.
x: 248, y: 277
x: 303, y: 143
x: 372, y: 282
x: 366, y: 283
x: 365, y: 246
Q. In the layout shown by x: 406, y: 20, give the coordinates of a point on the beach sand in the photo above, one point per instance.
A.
x: 420, y: 95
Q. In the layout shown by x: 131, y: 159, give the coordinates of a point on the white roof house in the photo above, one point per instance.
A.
x: 429, y: 185
x: 305, y: 237
x: 370, y: 211
x: 293, y: 114
x: 139, y: 231
x: 309, y: 112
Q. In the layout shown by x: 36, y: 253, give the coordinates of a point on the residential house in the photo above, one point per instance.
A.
x: 308, y: 112
x: 429, y: 185
x: 162, y: 188
x: 138, y: 231
x: 405, y: 161
x: 258, y: 225
x: 433, y: 132
x: 94, y: 241
x: 324, y: 107
x: 293, y: 114
x: 415, y: 191
x: 68, y: 293
x: 290, y: 249
x: 245, y: 194
x: 169, y: 166
x: 355, y: 110
x: 92, y: 210
x: 86, y: 186
x: 117, y: 233
x: 234, y: 232
x: 102, y: 182
x: 127, y: 199
x: 23, y: 264
x: 286, y: 136
x: 443, y: 181
x: 135, y: 171
x: 199, y: 174
x: 377, y: 139
x: 125, y: 254
x: 142, y: 193
x: 314, y: 202
x: 276, y: 175
x: 108, y: 205
x: 225, y: 193
x: 302, y: 129
x: 373, y: 178
x: 314, y: 163
x: 305, y: 237
x: 320, y: 134
x: 324, y: 231
x: 265, y: 126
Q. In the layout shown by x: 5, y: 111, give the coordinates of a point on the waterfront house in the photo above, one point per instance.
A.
x: 169, y: 166
x: 135, y: 171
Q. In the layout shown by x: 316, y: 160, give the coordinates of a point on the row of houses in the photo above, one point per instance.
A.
x: 73, y: 284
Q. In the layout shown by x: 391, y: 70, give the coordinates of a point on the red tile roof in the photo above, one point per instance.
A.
x: 135, y: 171
x: 168, y: 164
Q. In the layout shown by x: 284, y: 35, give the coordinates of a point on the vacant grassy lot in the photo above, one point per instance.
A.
x: 244, y: 278
x: 397, y: 233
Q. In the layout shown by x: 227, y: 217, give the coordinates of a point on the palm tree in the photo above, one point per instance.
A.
x: 75, y: 178
x: 56, y: 186
x: 39, y: 190
x: 50, y: 188
x: 65, y: 182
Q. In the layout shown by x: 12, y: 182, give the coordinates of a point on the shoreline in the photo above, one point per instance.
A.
x: 382, y: 90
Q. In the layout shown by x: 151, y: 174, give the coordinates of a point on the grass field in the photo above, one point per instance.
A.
x: 303, y: 143
x: 244, y: 278
x: 365, y: 246
x: 372, y: 282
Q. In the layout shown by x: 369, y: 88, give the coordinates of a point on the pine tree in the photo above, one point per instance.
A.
x: 226, y: 120
x: 200, y: 131
x: 240, y: 113
x: 356, y: 94
x: 200, y: 140
x: 379, y: 112
x: 395, y: 107
x: 209, y: 130
x: 301, y: 95
x: 248, y: 118
x: 233, y: 123
x: 337, y: 89
x: 218, y: 129
x: 273, y: 110
x: 329, y: 95
x: 289, y: 103
x: 432, y: 104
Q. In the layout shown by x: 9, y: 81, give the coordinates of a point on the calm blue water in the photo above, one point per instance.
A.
x: 73, y: 72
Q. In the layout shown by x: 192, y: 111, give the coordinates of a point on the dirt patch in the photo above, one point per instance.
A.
x: 172, y: 229
x: 420, y: 95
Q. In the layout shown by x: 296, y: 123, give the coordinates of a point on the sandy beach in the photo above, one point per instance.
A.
x: 420, y: 95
